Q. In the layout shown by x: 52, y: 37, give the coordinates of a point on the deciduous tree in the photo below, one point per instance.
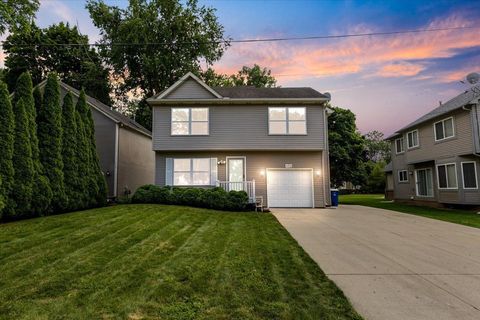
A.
x: 255, y: 76
x: 16, y: 14
x: 166, y: 40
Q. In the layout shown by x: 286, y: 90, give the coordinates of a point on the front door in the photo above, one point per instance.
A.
x: 236, y: 173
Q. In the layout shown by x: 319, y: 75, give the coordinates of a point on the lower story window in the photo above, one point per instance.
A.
x: 191, y: 172
x: 424, y: 182
x: 447, y: 176
x: 469, y: 175
x: 403, y: 176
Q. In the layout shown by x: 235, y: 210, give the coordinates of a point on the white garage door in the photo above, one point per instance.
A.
x: 289, y: 188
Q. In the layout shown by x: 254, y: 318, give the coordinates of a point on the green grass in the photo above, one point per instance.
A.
x: 464, y: 217
x: 161, y: 262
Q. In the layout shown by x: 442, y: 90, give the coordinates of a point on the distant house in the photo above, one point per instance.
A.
x: 435, y: 159
x: 124, y: 147
x: 269, y: 142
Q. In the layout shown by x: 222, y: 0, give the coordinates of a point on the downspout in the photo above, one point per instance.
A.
x: 475, y: 126
x: 115, y: 175
x: 326, y: 160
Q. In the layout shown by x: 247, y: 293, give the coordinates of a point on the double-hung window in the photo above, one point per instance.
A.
x: 399, y: 147
x: 447, y: 176
x: 469, y: 173
x: 444, y: 129
x: 402, y: 176
x: 287, y: 121
x: 412, y: 139
x: 189, y: 121
x: 191, y: 172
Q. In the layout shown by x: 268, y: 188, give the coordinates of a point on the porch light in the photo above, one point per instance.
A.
x: 262, y: 172
x: 318, y: 173
x: 221, y: 162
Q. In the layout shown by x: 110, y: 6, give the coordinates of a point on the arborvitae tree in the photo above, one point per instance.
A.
x: 49, y: 119
x: 21, y: 192
x: 82, y: 156
x: 42, y: 193
x: 69, y: 146
x: 7, y: 126
x: 90, y: 179
x: 2, y: 198
x: 38, y: 98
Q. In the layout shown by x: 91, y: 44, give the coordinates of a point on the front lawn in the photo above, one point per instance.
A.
x: 160, y: 262
x: 464, y: 217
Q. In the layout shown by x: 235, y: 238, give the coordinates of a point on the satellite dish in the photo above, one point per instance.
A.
x: 473, y: 77
x: 328, y: 95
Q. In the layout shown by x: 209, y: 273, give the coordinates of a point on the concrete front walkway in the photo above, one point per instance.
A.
x: 393, y: 265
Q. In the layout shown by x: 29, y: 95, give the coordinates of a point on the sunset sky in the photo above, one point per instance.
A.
x: 387, y: 81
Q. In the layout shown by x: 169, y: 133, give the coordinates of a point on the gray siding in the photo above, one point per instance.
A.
x: 242, y: 127
x: 460, y: 144
x: 190, y: 89
x: 430, y: 154
x: 105, y: 141
x: 255, y: 163
x: 136, y: 160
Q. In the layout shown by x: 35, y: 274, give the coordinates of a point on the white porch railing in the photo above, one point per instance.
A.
x: 247, y: 186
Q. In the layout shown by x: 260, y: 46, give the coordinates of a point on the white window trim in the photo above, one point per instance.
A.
x: 416, y: 184
x: 403, y: 146
x: 189, y: 122
x: 399, y: 177
x: 438, y: 176
x: 418, y: 139
x: 287, y: 123
x: 443, y: 126
x: 191, y: 173
x: 463, y: 175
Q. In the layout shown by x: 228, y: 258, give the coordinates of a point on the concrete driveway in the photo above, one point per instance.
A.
x: 393, y: 265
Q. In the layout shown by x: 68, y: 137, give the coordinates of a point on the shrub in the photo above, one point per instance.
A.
x: 213, y: 198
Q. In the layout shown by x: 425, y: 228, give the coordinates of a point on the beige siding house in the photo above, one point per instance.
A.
x: 269, y: 142
x: 435, y: 159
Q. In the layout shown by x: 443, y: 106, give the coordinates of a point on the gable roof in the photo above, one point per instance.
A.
x: 106, y: 110
x: 247, y: 92
x: 465, y: 98
x: 177, y: 84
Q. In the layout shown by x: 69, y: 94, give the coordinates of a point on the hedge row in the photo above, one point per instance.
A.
x: 212, y: 198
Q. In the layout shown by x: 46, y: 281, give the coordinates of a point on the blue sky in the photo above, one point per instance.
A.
x: 387, y: 81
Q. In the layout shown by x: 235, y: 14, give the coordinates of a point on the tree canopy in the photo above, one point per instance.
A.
x: 247, y: 76
x: 33, y: 49
x: 16, y: 14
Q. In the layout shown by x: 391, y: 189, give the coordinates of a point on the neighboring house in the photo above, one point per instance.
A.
x: 270, y: 142
x: 124, y: 147
x: 389, y: 181
x: 435, y: 159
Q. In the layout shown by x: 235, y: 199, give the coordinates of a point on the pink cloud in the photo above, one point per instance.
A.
x: 386, y: 55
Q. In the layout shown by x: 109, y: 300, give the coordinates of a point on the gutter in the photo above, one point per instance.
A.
x: 244, y: 101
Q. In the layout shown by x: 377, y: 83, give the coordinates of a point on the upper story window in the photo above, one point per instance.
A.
x: 447, y: 176
x: 412, y: 139
x: 444, y: 129
x: 189, y: 121
x: 399, y: 147
x: 469, y: 172
x: 287, y: 121
x: 402, y: 176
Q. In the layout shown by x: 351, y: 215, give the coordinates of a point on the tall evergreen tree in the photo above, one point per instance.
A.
x: 7, y: 125
x: 21, y: 192
x: 42, y: 193
x: 49, y: 119
x: 82, y: 156
x: 69, y: 145
x: 98, y: 194
x: 2, y: 198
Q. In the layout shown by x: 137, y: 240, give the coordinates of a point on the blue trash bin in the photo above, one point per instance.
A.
x: 334, y: 193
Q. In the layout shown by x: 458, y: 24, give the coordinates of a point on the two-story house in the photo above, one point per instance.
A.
x: 269, y: 142
x: 435, y: 159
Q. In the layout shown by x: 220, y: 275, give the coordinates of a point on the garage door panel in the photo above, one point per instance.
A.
x: 289, y: 188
